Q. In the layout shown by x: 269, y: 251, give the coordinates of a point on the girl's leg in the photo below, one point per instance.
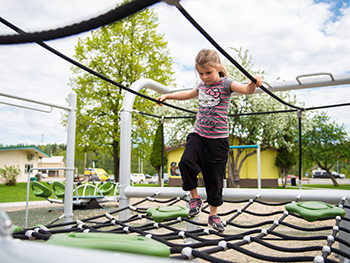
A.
x: 189, y: 163
x: 214, y: 220
x: 194, y: 193
x: 213, y: 210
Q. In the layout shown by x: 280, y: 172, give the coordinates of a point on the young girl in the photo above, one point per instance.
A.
x: 207, y: 146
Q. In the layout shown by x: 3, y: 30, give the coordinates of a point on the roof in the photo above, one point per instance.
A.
x: 25, y: 148
x: 53, y: 159
x: 169, y: 148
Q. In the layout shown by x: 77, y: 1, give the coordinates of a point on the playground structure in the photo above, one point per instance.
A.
x: 287, y: 231
x: 230, y: 195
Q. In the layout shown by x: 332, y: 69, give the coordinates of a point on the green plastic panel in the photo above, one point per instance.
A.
x: 159, y: 214
x: 106, y: 188
x: 314, y: 210
x: 40, y: 190
x: 17, y: 229
x: 112, y: 242
x: 59, y: 189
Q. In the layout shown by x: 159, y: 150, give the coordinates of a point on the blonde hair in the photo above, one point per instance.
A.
x: 209, y: 57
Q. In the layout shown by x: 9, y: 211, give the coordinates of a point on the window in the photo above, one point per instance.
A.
x: 28, y: 167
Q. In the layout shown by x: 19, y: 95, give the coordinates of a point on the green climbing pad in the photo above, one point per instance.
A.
x: 40, y: 190
x: 314, y: 210
x: 112, y: 242
x: 17, y: 229
x: 59, y: 189
x: 106, y: 188
x: 159, y: 214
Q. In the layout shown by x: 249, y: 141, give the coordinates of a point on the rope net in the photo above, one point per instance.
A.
x: 255, y: 230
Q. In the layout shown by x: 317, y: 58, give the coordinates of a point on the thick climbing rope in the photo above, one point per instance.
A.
x: 207, y: 242
x: 234, y: 62
x: 49, y: 48
x: 105, y: 19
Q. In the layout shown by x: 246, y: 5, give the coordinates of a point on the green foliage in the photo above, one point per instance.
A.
x: 8, y: 174
x: 54, y: 149
x: 268, y: 129
x: 286, y: 158
x: 156, y: 155
x: 123, y: 51
x: 326, y: 143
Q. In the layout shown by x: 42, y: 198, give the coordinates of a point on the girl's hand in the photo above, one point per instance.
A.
x: 161, y: 99
x: 258, y: 82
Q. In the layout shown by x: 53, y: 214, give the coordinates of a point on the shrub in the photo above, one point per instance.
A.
x: 9, y: 174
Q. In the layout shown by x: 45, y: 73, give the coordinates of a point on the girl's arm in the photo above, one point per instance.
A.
x: 181, y: 95
x: 246, y: 89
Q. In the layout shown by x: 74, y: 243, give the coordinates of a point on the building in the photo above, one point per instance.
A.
x: 24, y: 157
x: 248, y: 173
x: 174, y: 156
x: 52, y: 162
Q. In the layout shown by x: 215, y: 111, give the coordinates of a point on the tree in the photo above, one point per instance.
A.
x: 286, y: 159
x: 124, y: 51
x: 156, y: 155
x: 326, y: 143
x: 8, y: 174
x: 267, y: 129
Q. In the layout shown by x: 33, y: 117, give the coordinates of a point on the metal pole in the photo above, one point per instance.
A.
x: 162, y: 131
x: 125, y: 149
x: 236, y: 194
x: 27, y: 201
x: 300, y: 147
x: 125, y: 138
x: 259, y: 168
x: 68, y: 198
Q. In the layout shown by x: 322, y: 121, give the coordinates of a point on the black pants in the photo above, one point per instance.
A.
x: 208, y: 156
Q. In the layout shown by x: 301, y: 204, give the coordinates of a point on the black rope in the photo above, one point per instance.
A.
x: 218, y: 47
x: 105, y: 19
x: 47, y: 47
x: 203, y: 237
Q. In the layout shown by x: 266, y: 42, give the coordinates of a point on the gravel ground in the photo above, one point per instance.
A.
x: 41, y: 215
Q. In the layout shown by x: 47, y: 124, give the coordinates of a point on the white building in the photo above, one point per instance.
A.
x: 52, y: 162
x: 24, y: 157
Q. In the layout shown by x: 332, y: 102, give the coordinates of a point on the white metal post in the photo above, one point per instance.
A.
x: 125, y: 138
x: 68, y: 196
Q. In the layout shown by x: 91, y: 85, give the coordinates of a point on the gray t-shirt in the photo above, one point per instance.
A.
x: 213, y: 104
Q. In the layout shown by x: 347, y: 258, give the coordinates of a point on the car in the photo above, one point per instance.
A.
x: 154, y: 179
x: 324, y: 174
x: 137, y: 178
x: 97, y: 174
x: 338, y: 175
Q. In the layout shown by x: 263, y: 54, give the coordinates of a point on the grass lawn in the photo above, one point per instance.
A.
x: 18, y: 193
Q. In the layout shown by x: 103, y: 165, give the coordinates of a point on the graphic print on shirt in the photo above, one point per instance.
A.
x: 207, y: 101
x: 210, y: 98
x: 213, y: 103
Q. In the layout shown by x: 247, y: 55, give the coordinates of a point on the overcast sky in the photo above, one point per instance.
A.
x: 285, y: 39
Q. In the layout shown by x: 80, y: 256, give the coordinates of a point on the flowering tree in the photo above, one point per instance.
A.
x: 269, y: 130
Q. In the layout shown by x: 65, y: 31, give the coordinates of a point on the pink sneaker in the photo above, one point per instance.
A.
x: 215, y: 222
x: 195, y: 206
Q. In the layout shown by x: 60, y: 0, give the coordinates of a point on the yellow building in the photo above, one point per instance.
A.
x: 268, y: 170
x: 249, y: 171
